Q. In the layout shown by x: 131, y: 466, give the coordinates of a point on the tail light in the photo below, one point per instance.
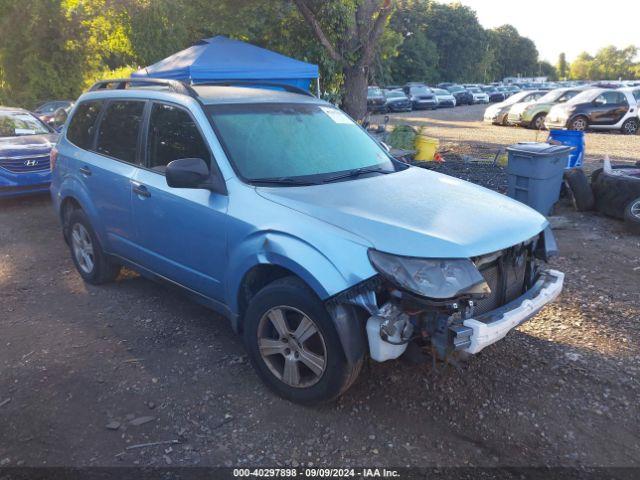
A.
x: 53, y: 157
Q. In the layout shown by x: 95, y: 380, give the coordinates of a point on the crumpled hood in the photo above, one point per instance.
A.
x: 27, y: 144
x: 417, y: 213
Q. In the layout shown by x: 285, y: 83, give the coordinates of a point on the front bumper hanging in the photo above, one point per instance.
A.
x: 489, y: 328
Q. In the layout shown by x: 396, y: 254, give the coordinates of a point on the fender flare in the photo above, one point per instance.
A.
x: 71, y: 188
x: 301, y: 258
x: 286, y: 251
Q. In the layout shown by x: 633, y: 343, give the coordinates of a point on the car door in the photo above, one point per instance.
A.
x: 180, y: 232
x: 619, y: 107
x: 608, y: 108
x: 109, y: 163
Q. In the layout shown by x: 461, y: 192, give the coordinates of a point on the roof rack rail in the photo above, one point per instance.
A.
x: 122, y: 83
x: 257, y: 83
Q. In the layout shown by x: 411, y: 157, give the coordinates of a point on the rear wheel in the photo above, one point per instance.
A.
x: 630, y: 127
x: 579, y: 124
x: 91, y: 262
x: 293, y: 344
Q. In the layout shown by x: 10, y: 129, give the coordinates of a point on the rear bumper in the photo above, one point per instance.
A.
x: 493, y: 326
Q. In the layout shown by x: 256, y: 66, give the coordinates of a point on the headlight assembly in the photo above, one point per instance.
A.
x: 438, y: 279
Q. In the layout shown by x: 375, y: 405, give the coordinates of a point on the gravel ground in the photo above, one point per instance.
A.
x: 87, y: 374
x: 462, y: 129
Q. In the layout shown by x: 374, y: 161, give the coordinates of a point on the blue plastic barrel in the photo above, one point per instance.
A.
x: 573, y: 139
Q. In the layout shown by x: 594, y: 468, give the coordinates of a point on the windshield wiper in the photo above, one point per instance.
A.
x: 283, y: 181
x: 356, y: 173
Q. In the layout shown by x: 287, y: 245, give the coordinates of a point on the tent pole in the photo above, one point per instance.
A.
x: 318, y: 85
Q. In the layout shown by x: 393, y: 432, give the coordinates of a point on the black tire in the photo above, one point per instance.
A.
x: 614, y: 192
x: 632, y: 215
x: 580, y: 190
x: 580, y: 123
x: 291, y: 293
x: 630, y: 127
x: 103, y: 270
x: 595, y: 174
x: 538, y: 121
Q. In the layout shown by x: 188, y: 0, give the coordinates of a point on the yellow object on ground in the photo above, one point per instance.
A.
x: 426, y: 148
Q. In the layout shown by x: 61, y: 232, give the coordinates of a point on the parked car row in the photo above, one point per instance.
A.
x: 574, y: 108
x: 419, y: 96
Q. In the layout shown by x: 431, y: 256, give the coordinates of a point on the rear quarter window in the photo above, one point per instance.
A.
x: 82, y: 125
x: 119, y: 130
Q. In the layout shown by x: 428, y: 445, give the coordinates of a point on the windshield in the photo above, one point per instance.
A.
x: 50, y: 107
x: 18, y: 124
x: 294, y: 141
x: 474, y: 89
x: 516, y: 98
x: 455, y: 88
x: 551, y: 97
x: 420, y: 91
x: 439, y: 91
x: 374, y: 92
x: 395, y: 94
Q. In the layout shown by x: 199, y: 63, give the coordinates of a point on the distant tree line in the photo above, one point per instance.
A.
x: 57, y: 48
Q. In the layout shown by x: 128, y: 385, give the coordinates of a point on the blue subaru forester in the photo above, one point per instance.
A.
x: 276, y: 210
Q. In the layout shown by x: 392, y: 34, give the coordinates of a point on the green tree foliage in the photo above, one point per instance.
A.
x: 56, y: 48
x: 513, y: 53
x: 459, y: 38
x: 562, y: 67
x: 610, y: 63
x: 545, y: 69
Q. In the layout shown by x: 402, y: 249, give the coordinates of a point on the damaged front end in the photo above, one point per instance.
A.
x: 446, y: 306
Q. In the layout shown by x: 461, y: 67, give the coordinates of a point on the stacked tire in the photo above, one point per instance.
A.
x: 618, y: 195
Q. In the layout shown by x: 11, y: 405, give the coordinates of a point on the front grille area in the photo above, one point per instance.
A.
x: 25, y: 164
x: 506, y: 279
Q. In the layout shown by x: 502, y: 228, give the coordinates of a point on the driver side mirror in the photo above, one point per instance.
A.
x: 193, y: 173
x: 598, y: 102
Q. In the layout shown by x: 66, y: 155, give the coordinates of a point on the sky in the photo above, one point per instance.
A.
x: 570, y: 26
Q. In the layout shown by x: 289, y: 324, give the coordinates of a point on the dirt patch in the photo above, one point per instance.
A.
x: 93, y: 373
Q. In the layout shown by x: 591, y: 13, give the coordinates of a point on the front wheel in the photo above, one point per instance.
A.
x: 630, y: 127
x: 538, y: 121
x: 579, y: 124
x: 293, y: 344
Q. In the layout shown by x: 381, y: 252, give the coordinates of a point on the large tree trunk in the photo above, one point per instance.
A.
x: 355, y: 88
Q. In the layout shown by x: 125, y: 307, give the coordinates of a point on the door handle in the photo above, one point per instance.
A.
x: 85, y: 171
x: 141, y: 190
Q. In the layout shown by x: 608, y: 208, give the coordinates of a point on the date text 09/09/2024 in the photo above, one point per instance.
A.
x: 316, y: 472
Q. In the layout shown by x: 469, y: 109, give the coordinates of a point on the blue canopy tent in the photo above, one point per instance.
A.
x: 221, y: 58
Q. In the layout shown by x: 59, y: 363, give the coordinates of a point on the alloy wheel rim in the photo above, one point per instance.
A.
x: 539, y: 123
x: 579, y: 124
x: 631, y: 127
x: 635, y: 209
x: 292, y: 347
x: 82, y: 248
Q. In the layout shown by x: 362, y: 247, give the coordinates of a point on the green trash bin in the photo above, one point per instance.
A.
x: 535, y: 173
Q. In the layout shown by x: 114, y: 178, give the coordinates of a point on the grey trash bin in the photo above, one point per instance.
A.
x: 535, y: 173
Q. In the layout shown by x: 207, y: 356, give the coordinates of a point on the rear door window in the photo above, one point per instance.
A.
x: 119, y: 130
x: 82, y: 126
x: 173, y: 134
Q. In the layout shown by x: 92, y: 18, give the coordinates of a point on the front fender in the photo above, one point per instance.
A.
x: 296, y: 255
